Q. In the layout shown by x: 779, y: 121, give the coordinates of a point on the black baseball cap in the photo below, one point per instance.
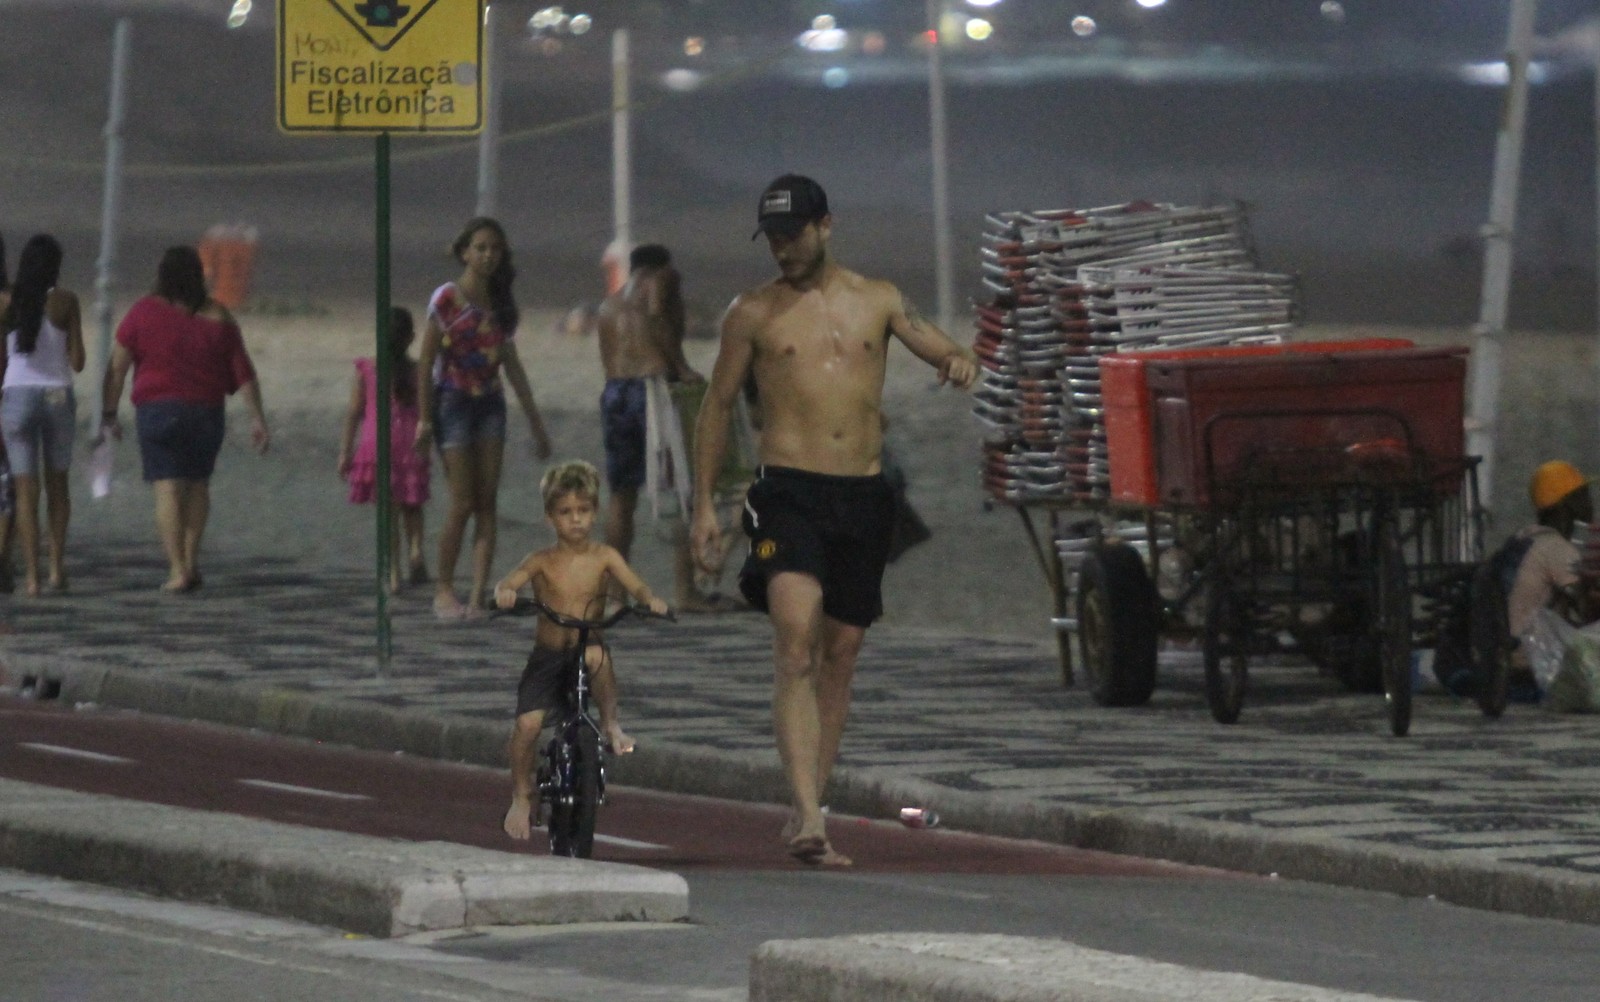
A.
x: 788, y: 204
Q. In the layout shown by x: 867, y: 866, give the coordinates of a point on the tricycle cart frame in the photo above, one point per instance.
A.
x: 1353, y: 555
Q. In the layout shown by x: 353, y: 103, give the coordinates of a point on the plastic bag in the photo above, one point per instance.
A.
x: 102, y: 456
x: 1546, y: 644
x: 1566, y: 661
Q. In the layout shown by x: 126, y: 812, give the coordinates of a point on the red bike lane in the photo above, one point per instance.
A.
x: 208, y: 767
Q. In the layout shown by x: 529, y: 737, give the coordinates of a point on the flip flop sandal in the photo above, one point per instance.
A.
x: 808, y: 849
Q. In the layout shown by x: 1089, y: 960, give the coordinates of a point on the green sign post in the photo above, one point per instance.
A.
x: 347, y: 66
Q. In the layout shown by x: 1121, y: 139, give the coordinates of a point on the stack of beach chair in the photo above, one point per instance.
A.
x: 1063, y: 288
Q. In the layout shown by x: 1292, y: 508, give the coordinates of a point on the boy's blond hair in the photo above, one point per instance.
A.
x: 572, y: 477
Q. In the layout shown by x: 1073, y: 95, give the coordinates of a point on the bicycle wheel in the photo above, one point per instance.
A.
x: 558, y: 793
x: 1225, y: 647
x: 1392, y: 603
x: 586, y: 770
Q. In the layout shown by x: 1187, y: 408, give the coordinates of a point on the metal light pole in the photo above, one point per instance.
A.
x: 941, y: 179
x: 621, y: 152
x: 111, y: 198
x: 489, y: 138
x: 1498, y: 234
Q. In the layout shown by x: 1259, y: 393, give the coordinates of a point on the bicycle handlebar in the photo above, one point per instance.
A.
x: 532, y: 606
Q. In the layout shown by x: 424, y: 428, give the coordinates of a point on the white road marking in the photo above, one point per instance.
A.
x: 310, y: 791
x: 75, y: 753
x: 627, y: 843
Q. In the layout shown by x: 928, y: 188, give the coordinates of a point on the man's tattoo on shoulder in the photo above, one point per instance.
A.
x: 913, y: 315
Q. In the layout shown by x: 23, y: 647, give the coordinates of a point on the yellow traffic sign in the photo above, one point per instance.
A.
x: 380, y: 66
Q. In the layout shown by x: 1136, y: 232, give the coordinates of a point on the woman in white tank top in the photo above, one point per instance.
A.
x: 43, y: 349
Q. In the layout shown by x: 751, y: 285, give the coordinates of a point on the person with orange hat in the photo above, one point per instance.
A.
x: 1549, y: 574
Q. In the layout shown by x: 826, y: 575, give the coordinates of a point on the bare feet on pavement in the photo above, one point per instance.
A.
x: 710, y: 604
x: 620, y: 743
x: 812, y: 847
x: 447, y: 606
x: 518, y: 824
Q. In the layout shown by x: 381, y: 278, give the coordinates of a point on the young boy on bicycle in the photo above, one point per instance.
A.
x: 572, y: 577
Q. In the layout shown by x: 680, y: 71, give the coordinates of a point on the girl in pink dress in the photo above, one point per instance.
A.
x: 408, y: 468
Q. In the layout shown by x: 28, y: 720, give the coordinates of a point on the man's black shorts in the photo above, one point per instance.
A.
x: 835, y: 529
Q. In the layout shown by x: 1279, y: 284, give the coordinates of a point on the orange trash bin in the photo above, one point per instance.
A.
x: 228, y: 256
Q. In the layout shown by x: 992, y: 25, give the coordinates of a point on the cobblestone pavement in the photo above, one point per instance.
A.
x: 949, y: 716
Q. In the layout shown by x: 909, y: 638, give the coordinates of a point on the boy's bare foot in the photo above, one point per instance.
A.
x: 176, y: 586
x: 32, y: 587
x: 832, y: 857
x: 518, y: 824
x: 620, y: 743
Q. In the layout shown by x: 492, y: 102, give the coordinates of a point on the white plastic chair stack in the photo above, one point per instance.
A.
x: 1067, y: 286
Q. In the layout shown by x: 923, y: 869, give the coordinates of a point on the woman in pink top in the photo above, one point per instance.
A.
x: 461, y: 405
x: 187, y: 357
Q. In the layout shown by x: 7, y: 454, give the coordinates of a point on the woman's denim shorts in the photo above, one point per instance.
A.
x: 179, y: 440
x: 38, y: 422
x: 460, y: 418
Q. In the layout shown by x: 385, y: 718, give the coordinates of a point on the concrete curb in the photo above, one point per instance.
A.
x: 910, y: 967
x: 1460, y: 877
x: 374, y: 886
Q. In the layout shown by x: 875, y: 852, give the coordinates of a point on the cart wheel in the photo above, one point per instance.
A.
x: 1491, y: 641
x: 1392, y: 594
x: 1225, y: 650
x: 1452, y: 655
x: 1117, y: 625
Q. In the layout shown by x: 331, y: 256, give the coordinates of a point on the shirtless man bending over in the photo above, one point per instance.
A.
x: 820, y: 516
x: 641, y: 336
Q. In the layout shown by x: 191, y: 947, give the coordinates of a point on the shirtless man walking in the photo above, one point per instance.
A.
x: 641, y: 337
x: 820, y: 517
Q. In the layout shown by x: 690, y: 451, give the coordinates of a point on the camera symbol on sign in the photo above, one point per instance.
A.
x: 382, y: 15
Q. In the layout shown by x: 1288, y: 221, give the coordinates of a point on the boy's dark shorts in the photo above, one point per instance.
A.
x: 544, y: 682
x: 623, y: 405
x: 835, y: 529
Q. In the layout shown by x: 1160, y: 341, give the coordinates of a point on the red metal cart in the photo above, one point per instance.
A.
x: 1312, y: 498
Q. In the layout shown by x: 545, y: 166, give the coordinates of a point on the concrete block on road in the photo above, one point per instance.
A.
x: 381, y: 887
x: 912, y: 967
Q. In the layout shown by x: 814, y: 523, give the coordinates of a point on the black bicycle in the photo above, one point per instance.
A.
x: 571, y: 776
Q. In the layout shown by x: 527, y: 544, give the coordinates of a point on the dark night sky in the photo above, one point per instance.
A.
x: 1472, y: 25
